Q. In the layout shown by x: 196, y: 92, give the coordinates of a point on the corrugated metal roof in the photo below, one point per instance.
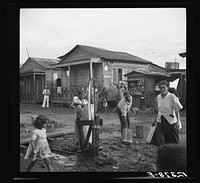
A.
x: 113, y: 55
x: 107, y: 54
x: 147, y: 73
x: 32, y: 71
x: 45, y: 62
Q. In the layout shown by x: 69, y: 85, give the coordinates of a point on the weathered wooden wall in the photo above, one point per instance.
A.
x: 111, y: 77
x: 79, y: 75
x: 64, y: 78
x: 98, y: 75
x: 50, y: 81
x: 149, y: 93
x: 30, y: 64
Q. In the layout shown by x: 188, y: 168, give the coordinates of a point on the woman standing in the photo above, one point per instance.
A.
x: 78, y: 103
x: 168, y: 122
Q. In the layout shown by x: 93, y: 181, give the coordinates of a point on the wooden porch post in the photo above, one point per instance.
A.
x: 91, y: 72
x: 181, y: 86
x: 69, y: 81
x: 145, y: 91
x: 34, y: 89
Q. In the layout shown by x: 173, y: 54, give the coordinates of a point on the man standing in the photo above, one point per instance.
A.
x: 46, y: 93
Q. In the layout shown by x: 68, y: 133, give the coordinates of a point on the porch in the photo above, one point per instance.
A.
x: 31, y: 87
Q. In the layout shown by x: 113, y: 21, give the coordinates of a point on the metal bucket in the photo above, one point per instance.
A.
x: 139, y: 132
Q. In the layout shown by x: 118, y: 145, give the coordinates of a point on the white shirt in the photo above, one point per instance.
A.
x: 46, y: 92
x: 167, y: 106
x: 124, y: 106
x: 76, y: 99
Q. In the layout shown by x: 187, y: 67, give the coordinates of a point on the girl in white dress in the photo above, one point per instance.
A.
x: 39, y: 145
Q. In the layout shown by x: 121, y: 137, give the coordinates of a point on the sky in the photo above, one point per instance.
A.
x: 154, y: 34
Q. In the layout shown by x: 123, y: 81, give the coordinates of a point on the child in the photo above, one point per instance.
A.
x: 39, y: 145
x: 171, y: 157
x: 105, y: 104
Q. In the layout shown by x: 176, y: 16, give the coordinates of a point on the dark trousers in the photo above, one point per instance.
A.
x: 124, y: 120
x: 166, y: 133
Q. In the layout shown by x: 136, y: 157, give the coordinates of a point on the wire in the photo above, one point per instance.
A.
x: 161, y: 44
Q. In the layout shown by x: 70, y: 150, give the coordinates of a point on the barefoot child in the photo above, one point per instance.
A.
x: 39, y: 145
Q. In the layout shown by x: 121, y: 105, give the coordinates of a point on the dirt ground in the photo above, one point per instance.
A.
x: 113, y: 155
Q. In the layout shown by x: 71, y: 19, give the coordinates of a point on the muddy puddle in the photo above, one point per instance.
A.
x: 113, y: 155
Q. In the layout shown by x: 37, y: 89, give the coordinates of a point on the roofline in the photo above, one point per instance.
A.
x: 66, y: 54
x: 99, y: 56
x: 183, y: 54
x: 75, y: 62
x: 157, y: 65
x: 45, y: 58
x: 126, y: 61
x: 175, y: 70
x: 147, y: 73
x: 32, y: 71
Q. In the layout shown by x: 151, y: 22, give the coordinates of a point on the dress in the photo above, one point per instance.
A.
x: 167, y: 130
x: 78, y: 110
x: 42, y: 149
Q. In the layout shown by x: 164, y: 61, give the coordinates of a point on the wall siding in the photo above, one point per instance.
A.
x: 110, y: 77
x: 64, y: 79
x: 98, y: 75
x: 80, y: 75
x: 48, y: 78
x: 149, y: 91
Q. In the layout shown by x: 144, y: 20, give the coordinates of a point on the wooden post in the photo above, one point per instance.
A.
x: 145, y: 92
x: 181, y: 86
x: 91, y: 71
x: 97, y: 123
x: 34, y: 89
x: 69, y: 81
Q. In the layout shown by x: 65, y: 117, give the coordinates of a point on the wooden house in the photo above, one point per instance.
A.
x: 142, y: 85
x: 176, y: 73
x: 181, y: 87
x: 108, y: 68
x: 35, y: 73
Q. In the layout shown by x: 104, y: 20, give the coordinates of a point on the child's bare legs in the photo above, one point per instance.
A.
x: 48, y: 163
x: 31, y: 165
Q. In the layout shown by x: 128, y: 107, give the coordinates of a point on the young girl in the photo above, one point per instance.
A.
x: 105, y: 104
x: 39, y: 145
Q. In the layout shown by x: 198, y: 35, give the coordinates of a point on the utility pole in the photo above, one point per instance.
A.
x: 27, y: 51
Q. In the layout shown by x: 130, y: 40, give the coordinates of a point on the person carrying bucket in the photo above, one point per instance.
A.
x: 123, y: 107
